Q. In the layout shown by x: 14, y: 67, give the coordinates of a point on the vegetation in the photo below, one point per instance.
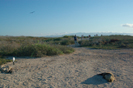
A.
x: 109, y: 42
x: 3, y: 61
x: 41, y: 46
x: 33, y: 46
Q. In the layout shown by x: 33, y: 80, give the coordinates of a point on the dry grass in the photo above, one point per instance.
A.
x: 109, y: 42
x: 32, y: 46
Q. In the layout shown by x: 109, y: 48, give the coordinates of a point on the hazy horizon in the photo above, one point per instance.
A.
x: 78, y: 34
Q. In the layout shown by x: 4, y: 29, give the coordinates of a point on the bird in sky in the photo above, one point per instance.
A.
x: 32, y: 12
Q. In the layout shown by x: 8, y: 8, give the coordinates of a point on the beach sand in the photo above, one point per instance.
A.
x: 76, y: 70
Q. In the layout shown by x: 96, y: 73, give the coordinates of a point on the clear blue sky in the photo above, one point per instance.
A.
x: 59, y: 16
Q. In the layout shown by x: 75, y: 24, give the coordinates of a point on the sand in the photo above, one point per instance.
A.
x: 76, y: 70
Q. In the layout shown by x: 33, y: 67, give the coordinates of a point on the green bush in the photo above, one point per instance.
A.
x: 53, y: 51
x: 4, y: 61
x: 66, y: 36
x: 25, y: 50
x: 37, y: 50
x: 109, y: 42
x: 57, y: 39
x: 67, y: 42
x: 33, y: 46
x: 65, y: 49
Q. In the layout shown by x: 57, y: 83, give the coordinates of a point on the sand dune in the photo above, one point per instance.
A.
x: 76, y: 70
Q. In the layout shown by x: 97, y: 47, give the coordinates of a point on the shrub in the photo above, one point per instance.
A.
x: 36, y: 50
x: 3, y: 61
x: 109, y: 42
x: 65, y: 49
x: 33, y: 46
x: 67, y: 42
x: 66, y: 36
x: 25, y: 50
x: 57, y: 39
x: 53, y: 51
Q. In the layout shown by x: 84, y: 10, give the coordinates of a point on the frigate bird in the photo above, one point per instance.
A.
x: 32, y: 12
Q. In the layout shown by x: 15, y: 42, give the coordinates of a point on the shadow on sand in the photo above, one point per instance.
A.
x: 94, y: 80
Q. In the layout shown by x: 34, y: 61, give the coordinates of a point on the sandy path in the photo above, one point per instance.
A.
x: 76, y: 70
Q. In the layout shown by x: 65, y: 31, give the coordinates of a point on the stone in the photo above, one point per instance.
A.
x: 108, y: 76
x: 6, y: 69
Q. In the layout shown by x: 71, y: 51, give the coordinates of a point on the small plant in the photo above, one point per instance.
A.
x: 4, y: 61
x: 65, y: 49
x: 109, y: 42
x: 67, y: 42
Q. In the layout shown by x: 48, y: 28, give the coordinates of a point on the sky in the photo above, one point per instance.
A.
x: 50, y: 17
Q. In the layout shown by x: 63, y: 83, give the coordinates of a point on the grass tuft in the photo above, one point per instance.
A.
x: 109, y: 42
x: 4, y: 61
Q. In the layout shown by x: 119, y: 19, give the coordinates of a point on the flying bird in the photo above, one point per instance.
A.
x: 32, y: 12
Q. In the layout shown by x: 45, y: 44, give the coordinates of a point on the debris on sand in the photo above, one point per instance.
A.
x: 108, y: 76
x: 6, y: 69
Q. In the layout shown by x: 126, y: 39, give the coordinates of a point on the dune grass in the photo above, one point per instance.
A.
x: 35, y: 50
x: 39, y: 50
x: 41, y: 46
x: 33, y: 46
x: 109, y: 42
x: 3, y: 61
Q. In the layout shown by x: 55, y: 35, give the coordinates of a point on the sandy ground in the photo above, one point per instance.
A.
x: 76, y: 70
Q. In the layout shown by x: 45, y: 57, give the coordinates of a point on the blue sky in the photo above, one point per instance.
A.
x: 64, y: 16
